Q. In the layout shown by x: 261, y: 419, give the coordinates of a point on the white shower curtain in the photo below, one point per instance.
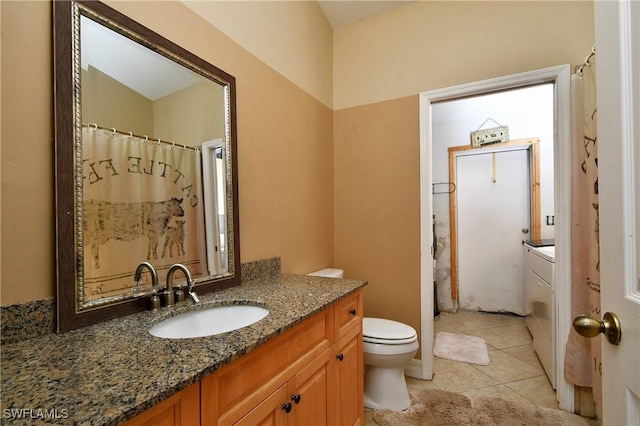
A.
x: 142, y: 201
x: 583, y: 359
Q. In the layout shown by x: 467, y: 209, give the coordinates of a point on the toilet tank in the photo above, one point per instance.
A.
x: 329, y: 272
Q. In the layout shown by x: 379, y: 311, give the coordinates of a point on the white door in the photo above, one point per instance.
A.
x: 493, y: 211
x: 618, y: 93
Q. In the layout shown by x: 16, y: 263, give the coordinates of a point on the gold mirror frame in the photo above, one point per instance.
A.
x: 71, y: 313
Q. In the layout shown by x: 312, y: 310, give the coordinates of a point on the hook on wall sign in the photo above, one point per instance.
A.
x: 489, y: 136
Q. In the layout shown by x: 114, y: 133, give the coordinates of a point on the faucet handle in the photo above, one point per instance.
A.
x: 178, y: 294
x: 193, y: 296
x: 167, y: 297
x: 154, y: 301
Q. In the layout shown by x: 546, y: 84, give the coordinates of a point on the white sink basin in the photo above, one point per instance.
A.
x: 208, y: 322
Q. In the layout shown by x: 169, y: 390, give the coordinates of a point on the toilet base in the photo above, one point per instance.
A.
x: 385, y: 388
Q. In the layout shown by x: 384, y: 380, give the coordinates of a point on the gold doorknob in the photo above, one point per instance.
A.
x: 591, y: 327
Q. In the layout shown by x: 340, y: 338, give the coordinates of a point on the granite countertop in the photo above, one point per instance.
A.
x: 107, y: 373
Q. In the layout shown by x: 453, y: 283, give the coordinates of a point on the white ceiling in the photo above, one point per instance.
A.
x: 140, y: 69
x: 344, y: 12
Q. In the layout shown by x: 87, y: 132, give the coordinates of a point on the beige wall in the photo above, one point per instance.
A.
x: 107, y: 102
x: 189, y: 116
x: 434, y: 44
x: 27, y: 152
x: 192, y: 115
x: 378, y: 205
x: 292, y: 37
x: 285, y: 146
x: 381, y: 64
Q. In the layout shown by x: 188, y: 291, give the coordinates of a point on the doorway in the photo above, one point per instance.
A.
x: 559, y: 77
x: 528, y: 114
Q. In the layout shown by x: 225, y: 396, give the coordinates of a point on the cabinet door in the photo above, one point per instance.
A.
x: 348, y: 399
x: 182, y: 409
x: 270, y: 412
x: 233, y: 390
x: 309, y: 393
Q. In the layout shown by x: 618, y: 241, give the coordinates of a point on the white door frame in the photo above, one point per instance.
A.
x: 560, y: 76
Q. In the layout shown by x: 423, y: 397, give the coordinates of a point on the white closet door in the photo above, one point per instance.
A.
x: 491, y: 219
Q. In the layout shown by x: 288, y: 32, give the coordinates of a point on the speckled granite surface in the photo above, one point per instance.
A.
x: 256, y: 269
x: 109, y: 372
x: 28, y: 320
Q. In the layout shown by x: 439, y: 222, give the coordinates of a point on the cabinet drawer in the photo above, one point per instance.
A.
x: 542, y: 304
x: 229, y: 391
x: 348, y: 314
x: 542, y: 267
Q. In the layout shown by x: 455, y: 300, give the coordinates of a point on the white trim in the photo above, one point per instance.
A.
x: 215, y: 265
x: 560, y: 76
x: 562, y: 203
x: 413, y: 369
x: 629, y: 137
x: 426, y: 241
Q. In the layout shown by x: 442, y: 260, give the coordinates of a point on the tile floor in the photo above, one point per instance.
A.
x: 515, y: 373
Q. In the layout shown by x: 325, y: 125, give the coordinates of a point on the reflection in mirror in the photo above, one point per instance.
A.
x: 145, y: 156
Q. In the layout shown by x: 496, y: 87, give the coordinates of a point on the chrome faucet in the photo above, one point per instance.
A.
x: 154, y: 302
x: 179, y: 294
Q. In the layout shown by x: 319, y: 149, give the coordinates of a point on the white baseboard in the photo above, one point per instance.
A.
x: 413, y: 369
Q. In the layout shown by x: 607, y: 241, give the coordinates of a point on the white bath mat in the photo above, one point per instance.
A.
x: 460, y: 347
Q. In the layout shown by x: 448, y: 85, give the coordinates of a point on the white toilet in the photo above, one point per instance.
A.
x: 387, y: 346
x: 329, y: 272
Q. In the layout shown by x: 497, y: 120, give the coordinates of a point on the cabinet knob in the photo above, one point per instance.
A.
x: 340, y: 357
x: 287, y: 407
x: 296, y: 398
x: 353, y: 312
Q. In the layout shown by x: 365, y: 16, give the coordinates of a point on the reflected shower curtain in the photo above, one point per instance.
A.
x: 583, y: 359
x: 141, y: 202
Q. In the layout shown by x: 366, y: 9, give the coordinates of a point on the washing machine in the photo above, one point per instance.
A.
x: 540, y: 303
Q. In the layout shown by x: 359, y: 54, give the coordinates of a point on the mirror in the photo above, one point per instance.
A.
x: 145, y: 142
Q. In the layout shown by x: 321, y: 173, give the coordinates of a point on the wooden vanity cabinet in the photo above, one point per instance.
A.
x: 234, y: 390
x: 318, y: 363
x: 181, y: 409
x: 309, y: 375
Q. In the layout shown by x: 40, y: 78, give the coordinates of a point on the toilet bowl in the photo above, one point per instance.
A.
x: 387, y: 346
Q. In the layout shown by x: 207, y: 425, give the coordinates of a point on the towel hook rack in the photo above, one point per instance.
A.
x: 451, y: 189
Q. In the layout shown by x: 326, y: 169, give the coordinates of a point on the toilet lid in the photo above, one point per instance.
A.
x: 379, y: 330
